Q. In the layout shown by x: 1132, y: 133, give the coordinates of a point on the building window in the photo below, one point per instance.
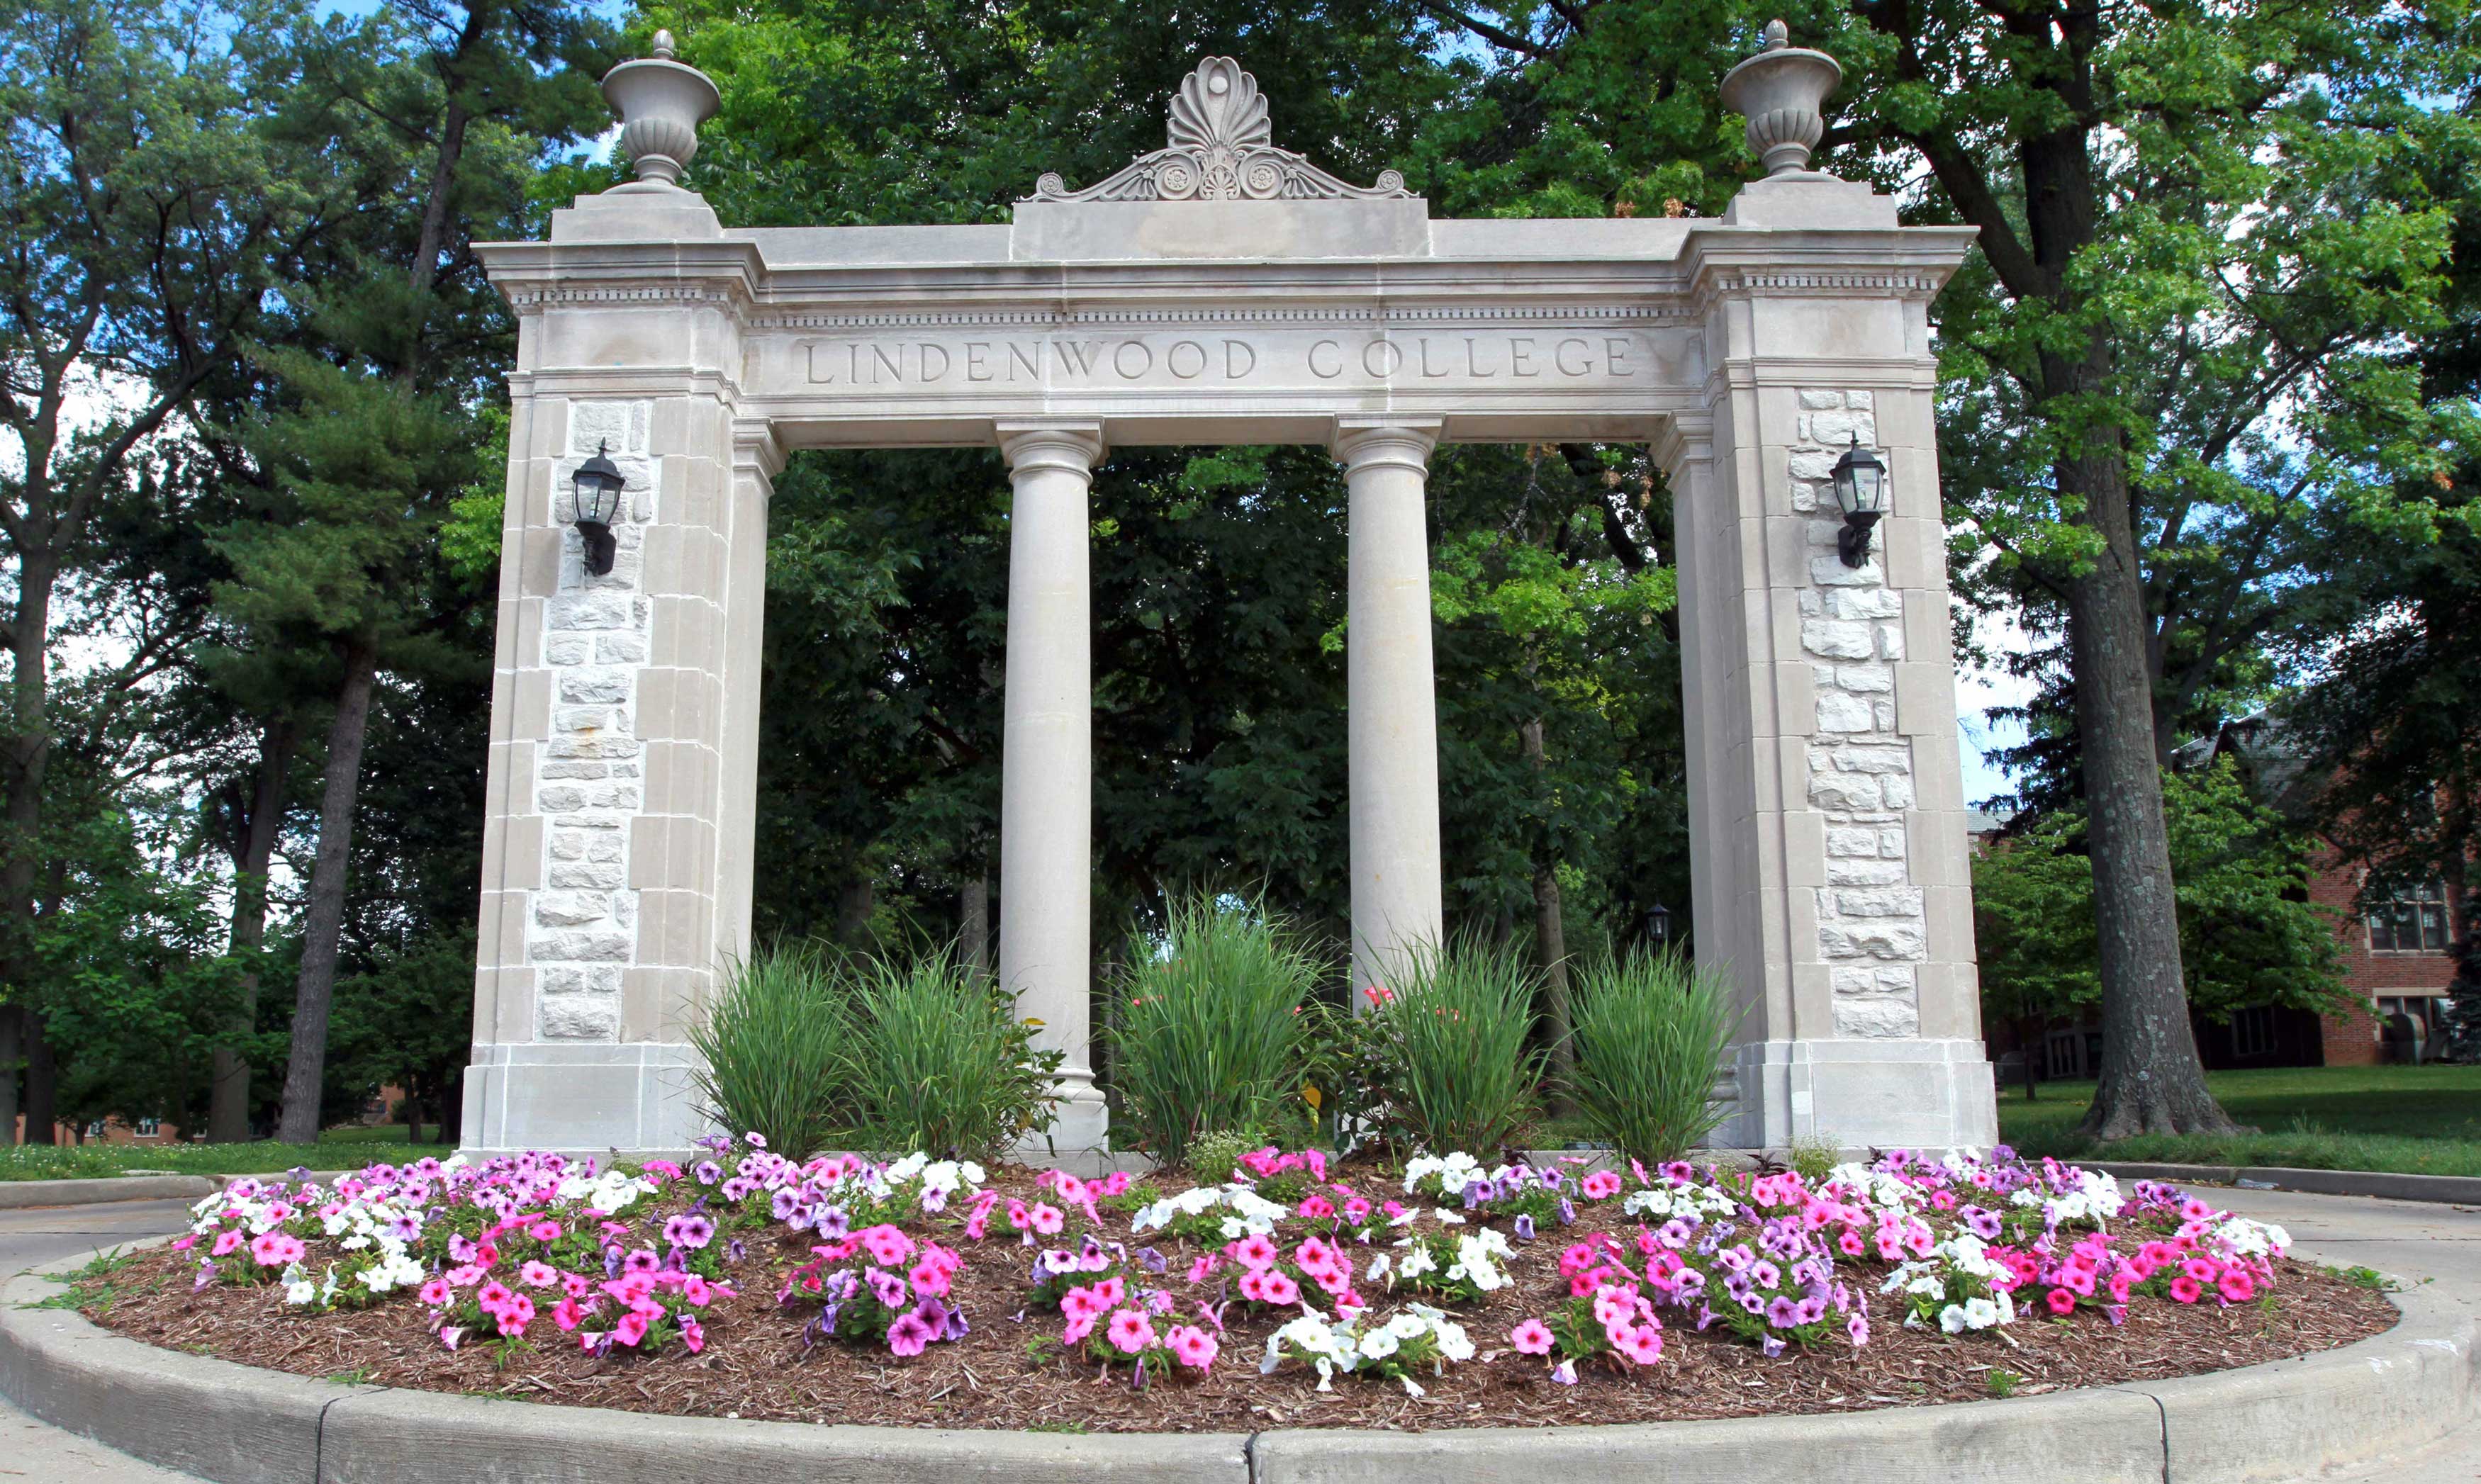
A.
x: 148, y: 1127
x: 2429, y: 1009
x: 2413, y: 921
x: 2252, y: 1032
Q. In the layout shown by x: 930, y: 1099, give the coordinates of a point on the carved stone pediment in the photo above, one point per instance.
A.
x: 1222, y: 149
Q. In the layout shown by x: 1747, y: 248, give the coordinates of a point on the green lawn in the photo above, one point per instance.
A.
x: 336, y: 1149
x: 2413, y: 1120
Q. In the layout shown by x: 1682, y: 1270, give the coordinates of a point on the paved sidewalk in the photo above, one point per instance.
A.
x: 2439, y: 1246
x: 2412, y: 1242
x: 29, y: 1449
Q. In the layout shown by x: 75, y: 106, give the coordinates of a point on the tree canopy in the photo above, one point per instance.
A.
x: 2208, y: 393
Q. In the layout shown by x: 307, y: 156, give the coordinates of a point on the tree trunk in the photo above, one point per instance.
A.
x: 1551, y: 952
x: 12, y: 1049
x: 315, y: 992
x: 1551, y: 941
x: 452, y: 1106
x: 973, y: 925
x: 253, y: 845
x: 28, y: 755
x: 2152, y: 1081
x: 856, y: 901
x: 42, y: 1079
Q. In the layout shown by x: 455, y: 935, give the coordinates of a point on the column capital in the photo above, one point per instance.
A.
x: 1364, y: 442
x: 1075, y: 447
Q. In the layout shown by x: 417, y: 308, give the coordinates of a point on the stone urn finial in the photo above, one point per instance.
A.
x: 1783, y: 90
x: 660, y: 103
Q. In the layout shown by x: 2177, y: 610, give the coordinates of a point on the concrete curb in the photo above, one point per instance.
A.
x: 102, y: 1189
x: 2382, y: 1398
x: 22, y: 1194
x: 2442, y: 1190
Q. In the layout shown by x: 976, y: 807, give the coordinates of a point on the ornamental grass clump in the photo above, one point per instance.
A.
x: 1210, y: 1025
x: 775, y: 1044
x: 1455, y: 1023
x: 1650, y: 1033
x: 940, y: 1062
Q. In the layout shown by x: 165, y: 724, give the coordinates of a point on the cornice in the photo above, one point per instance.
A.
x: 1342, y: 314
x: 1715, y: 261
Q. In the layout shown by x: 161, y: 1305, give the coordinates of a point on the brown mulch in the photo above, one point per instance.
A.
x: 756, y: 1367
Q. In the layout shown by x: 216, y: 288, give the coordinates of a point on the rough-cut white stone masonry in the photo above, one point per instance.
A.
x: 590, y: 782
x: 1872, y: 929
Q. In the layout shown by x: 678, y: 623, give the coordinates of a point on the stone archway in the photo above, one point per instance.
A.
x: 1223, y: 291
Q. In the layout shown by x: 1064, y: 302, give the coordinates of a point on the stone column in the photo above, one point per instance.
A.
x: 1826, y: 799
x: 1047, y: 763
x: 1394, y: 725
x: 622, y: 773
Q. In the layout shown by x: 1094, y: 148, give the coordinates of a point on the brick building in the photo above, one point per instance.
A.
x: 2397, y: 959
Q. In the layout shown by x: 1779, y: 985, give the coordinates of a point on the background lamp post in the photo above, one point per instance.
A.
x: 1657, y: 924
x: 1861, y: 489
x: 595, y: 494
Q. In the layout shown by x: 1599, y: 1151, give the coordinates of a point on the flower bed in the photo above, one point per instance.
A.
x: 1437, y: 1293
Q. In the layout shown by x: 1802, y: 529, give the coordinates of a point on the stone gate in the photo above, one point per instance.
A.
x: 1224, y: 291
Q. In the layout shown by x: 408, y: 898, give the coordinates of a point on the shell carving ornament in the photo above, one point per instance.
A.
x: 1221, y: 149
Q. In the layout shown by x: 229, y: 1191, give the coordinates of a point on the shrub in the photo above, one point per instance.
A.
x: 1650, y: 1033
x: 1454, y: 1026
x: 1211, y: 1030
x: 775, y: 1041
x: 939, y: 1060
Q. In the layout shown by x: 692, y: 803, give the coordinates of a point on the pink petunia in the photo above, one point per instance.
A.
x: 910, y: 1335
x: 1599, y: 1186
x: 275, y: 1249
x: 1530, y: 1337
x: 1048, y: 1219
x: 1280, y: 1289
x: 631, y: 1328
x: 1254, y: 1251
x: 1130, y: 1331
x: 538, y: 1275
x: 1641, y: 1345
x: 228, y: 1242
x: 1192, y: 1346
x: 886, y: 1245
x: 2060, y: 1300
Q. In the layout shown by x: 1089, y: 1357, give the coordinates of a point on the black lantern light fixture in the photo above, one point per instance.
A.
x: 595, y: 490
x: 1657, y: 924
x: 1861, y: 489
